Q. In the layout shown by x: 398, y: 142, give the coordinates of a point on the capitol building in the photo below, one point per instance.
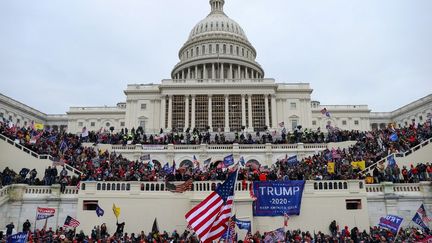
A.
x: 217, y: 85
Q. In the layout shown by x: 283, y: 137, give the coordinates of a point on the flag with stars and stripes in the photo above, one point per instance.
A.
x: 71, y: 222
x: 209, y: 218
x: 186, y: 186
x: 422, y: 212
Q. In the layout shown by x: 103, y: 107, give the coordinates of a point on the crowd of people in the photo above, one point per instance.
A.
x: 194, y: 136
x: 335, y: 234
x: 104, y: 166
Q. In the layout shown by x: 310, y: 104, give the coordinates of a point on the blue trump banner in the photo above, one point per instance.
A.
x: 391, y: 222
x: 228, y: 160
x: 275, y: 198
x: 17, y: 238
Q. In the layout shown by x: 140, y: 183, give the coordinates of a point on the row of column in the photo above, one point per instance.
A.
x: 202, y: 72
x: 248, y: 124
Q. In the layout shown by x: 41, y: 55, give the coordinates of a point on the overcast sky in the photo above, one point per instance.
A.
x: 55, y: 54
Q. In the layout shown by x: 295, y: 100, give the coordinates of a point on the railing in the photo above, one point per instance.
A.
x: 210, y: 147
x: 36, y: 155
x: 393, y: 187
x: 403, y: 154
x: 208, y: 186
x: 46, y: 190
x: 4, y: 191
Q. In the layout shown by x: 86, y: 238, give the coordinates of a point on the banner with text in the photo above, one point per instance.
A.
x: 275, y: 198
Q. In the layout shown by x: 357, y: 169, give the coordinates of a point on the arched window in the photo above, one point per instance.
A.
x: 231, y: 49
x: 197, y: 51
x: 210, y: 50
x: 98, y: 186
x: 237, y: 51
x: 203, y: 50
x: 224, y: 49
x: 217, y: 48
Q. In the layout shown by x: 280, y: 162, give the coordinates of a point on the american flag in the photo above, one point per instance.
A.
x: 209, y: 218
x: 422, y: 212
x: 71, y: 222
x: 186, y: 186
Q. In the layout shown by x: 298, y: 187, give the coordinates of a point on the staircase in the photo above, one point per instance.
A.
x: 15, y: 156
x: 422, y: 153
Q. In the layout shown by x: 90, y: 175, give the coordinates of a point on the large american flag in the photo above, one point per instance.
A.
x: 71, y: 222
x: 209, y: 218
x: 422, y: 212
x: 186, y: 186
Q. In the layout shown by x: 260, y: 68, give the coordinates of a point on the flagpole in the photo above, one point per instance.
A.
x: 34, y: 229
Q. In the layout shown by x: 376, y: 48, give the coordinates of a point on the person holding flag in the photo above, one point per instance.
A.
x: 209, y: 220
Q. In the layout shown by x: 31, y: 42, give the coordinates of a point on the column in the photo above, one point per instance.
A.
x: 239, y: 72
x: 205, y: 72
x: 222, y: 72
x: 230, y: 74
x: 196, y: 72
x: 213, y: 71
x: 243, y: 106
x: 227, y: 128
x: 210, y: 111
x: 273, y: 109
x: 162, y: 116
x: 183, y: 74
x: 186, y: 125
x: 266, y: 111
x: 188, y: 76
x: 246, y: 73
x: 250, y: 125
x: 193, y: 112
x: 169, y: 126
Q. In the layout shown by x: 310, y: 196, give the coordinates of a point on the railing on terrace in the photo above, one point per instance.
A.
x: 36, y: 155
x: 207, y: 186
x: 399, y: 155
x: 4, y: 191
x: 70, y: 190
x: 156, y: 147
x: 393, y: 187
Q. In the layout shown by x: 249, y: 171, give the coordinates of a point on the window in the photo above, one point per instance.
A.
x: 294, y: 124
x: 217, y: 48
x: 353, y: 204
x: 1, y: 114
x: 203, y: 50
x: 314, y: 123
x: 344, y: 122
x: 107, y: 124
x: 143, y: 106
x: 293, y: 105
x: 25, y: 123
x: 231, y: 49
x: 210, y: 49
x: 18, y: 121
x: 421, y: 118
x: 122, y: 124
x: 356, y: 122
x: 92, y: 124
x: 80, y: 124
x: 90, y: 205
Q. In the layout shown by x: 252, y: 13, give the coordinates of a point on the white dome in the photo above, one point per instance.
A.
x: 217, y: 23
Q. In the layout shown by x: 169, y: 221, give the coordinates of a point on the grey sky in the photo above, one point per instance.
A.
x: 55, y: 54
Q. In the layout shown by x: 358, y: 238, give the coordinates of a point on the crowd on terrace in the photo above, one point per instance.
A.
x: 102, y: 165
x: 345, y: 234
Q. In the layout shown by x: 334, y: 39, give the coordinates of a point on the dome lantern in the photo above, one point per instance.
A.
x: 217, y: 6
